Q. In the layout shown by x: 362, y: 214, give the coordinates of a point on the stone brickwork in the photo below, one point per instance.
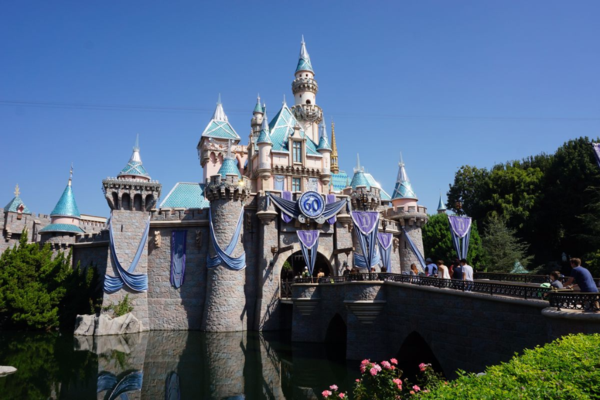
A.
x: 128, y: 228
x: 407, y: 256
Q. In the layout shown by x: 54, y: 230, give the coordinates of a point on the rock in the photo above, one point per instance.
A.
x: 117, y: 326
x: 7, y: 370
x: 85, y: 325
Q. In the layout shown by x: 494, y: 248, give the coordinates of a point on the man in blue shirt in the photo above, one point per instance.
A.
x: 431, y: 269
x: 582, y: 277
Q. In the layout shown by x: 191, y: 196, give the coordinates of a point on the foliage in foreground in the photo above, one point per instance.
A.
x: 568, y: 368
x: 41, y: 291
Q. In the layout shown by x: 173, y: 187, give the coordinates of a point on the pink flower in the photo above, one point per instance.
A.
x: 342, y: 395
x: 422, y: 367
x: 326, y: 393
x: 333, y: 387
x: 363, y: 368
x: 394, y: 361
x: 364, y: 362
x: 373, y: 371
x: 386, y: 365
x: 377, y: 367
x: 397, y: 381
x: 358, y: 380
x: 412, y: 392
x: 416, y: 388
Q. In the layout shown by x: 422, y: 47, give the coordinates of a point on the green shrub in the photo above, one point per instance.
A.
x: 121, y: 308
x: 568, y: 368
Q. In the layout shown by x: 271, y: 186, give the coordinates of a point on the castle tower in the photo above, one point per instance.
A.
x: 363, y: 194
x: 65, y: 218
x: 441, y: 206
x: 325, y: 150
x: 225, y: 308
x: 305, y: 89
x: 15, y: 217
x: 335, y: 168
x: 265, y: 145
x: 410, y: 216
x: 131, y: 196
x: 214, y: 140
x: 257, y: 118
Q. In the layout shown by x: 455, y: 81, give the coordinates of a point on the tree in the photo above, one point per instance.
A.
x: 503, y: 247
x: 437, y: 241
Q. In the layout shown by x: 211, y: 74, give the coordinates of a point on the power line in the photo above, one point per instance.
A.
x: 201, y: 110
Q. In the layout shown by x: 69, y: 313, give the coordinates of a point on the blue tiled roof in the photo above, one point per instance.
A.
x: 362, y: 178
x: 186, y: 195
x: 61, y: 228
x: 404, y: 190
x: 323, y: 144
x: 134, y: 168
x: 14, y: 204
x: 66, y: 206
x: 220, y: 130
x: 441, y: 205
x: 264, y: 137
x: 282, y: 126
x: 258, y: 108
x: 372, y: 182
x: 339, y: 181
x: 229, y: 167
x: 304, y: 64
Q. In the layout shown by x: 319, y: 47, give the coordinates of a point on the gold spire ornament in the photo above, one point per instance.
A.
x: 335, y: 169
x: 17, y: 191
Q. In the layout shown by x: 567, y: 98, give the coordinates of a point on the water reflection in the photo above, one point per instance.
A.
x: 170, y: 365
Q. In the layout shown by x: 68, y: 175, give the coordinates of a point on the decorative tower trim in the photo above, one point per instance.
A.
x: 335, y: 169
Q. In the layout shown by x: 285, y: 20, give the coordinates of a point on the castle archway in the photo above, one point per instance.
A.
x: 414, y: 351
x: 297, y: 264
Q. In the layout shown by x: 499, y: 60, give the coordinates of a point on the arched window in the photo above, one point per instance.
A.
x: 137, y: 202
x: 307, y: 101
x: 126, y: 202
x: 149, y: 202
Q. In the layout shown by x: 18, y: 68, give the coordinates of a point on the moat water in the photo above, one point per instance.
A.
x: 171, y: 366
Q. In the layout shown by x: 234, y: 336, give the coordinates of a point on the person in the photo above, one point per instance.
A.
x: 555, y: 281
x: 467, y: 273
x: 305, y: 274
x: 346, y: 271
x: 414, y: 271
x: 431, y: 269
x: 458, y: 275
x: 321, y: 274
x: 442, y: 270
x: 582, y: 277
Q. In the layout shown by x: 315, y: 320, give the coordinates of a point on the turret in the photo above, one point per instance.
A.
x: 364, y: 195
x: 65, y: 218
x: 257, y: 118
x: 305, y: 89
x: 441, y: 206
x: 225, y: 307
x: 403, y: 195
x: 325, y: 150
x: 265, y: 145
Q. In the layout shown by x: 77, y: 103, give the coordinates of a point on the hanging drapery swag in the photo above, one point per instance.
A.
x: 385, y: 246
x: 460, y: 228
x: 414, y: 249
x: 292, y: 208
x: 118, y: 389
x: 309, y: 243
x: 135, y: 282
x: 596, y: 147
x: 366, y: 224
x: 286, y: 195
x: 225, y: 256
x: 178, y: 255
x: 331, y: 200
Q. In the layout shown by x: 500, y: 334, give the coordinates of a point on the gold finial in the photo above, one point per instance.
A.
x: 334, y: 153
x: 17, y: 191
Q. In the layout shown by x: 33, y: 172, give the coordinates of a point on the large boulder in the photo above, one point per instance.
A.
x: 105, y: 325
x: 7, y: 370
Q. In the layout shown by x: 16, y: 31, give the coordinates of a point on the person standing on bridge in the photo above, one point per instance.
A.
x: 582, y: 277
x: 442, y: 270
x: 431, y: 269
x: 468, y: 273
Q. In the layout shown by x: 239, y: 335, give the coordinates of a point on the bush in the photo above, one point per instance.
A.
x: 567, y: 368
x: 121, y: 308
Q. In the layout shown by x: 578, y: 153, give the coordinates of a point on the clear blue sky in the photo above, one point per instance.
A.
x: 446, y: 83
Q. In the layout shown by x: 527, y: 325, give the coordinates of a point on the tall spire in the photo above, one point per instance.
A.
x: 358, y: 167
x: 441, y: 206
x: 335, y: 169
x: 134, y: 166
x: 304, y: 63
x: 71, y: 175
x: 66, y: 206
x: 264, y: 135
x: 403, y: 189
x: 323, y: 137
x: 219, y: 114
x: 258, y: 108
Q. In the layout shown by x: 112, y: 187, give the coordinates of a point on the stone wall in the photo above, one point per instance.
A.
x: 407, y: 256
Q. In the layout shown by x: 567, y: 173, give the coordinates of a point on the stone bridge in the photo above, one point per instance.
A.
x: 453, y: 329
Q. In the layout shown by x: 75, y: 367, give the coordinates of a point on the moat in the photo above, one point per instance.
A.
x: 170, y: 365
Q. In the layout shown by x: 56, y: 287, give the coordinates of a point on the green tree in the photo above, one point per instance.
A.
x: 437, y: 241
x: 465, y: 194
x: 503, y: 247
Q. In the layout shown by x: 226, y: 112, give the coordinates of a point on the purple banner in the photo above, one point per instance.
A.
x: 286, y: 195
x: 596, y: 147
x: 331, y: 199
x: 385, y: 239
x: 365, y: 221
x: 308, y: 238
x: 460, y: 225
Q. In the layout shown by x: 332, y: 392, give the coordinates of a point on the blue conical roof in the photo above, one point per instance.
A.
x: 66, y: 206
x: 264, y: 136
x: 441, y: 205
x: 304, y: 63
x: 258, y: 108
x: 134, y: 166
x: 403, y: 188
x: 15, y: 203
x: 323, y: 141
x: 229, y: 167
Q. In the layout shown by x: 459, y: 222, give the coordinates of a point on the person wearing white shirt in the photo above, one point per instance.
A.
x: 468, y: 273
x: 442, y: 270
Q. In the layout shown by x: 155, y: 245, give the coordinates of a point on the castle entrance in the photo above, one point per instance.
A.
x: 294, y: 266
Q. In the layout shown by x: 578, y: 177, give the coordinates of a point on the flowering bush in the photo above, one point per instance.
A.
x: 383, y: 381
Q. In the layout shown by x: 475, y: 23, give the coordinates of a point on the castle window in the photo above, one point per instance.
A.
x: 296, y: 185
x: 307, y: 101
x: 297, y: 149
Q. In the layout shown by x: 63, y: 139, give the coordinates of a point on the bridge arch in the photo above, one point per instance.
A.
x: 414, y: 351
x: 323, y: 258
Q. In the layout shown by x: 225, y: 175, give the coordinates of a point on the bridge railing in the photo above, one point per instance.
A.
x: 575, y: 301
x: 524, y: 278
x: 491, y: 288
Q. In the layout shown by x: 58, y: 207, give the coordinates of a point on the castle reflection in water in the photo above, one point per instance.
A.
x: 194, y: 365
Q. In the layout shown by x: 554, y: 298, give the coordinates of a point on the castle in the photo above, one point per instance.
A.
x: 211, y: 255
